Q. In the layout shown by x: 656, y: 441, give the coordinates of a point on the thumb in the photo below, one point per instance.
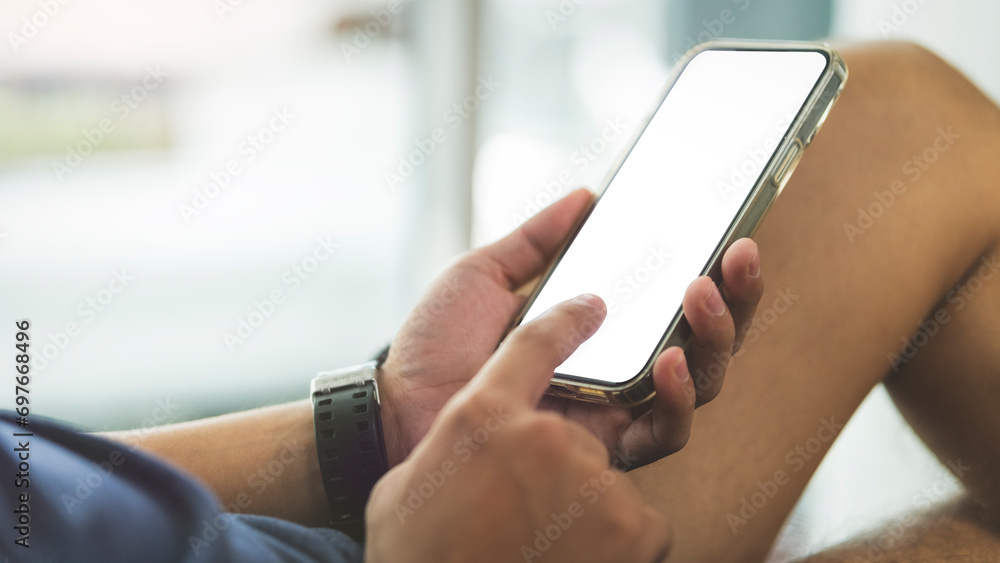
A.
x: 526, y: 252
x: 525, y: 362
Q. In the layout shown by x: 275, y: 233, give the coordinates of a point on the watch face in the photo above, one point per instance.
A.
x: 355, y: 376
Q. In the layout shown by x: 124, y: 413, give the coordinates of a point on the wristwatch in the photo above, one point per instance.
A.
x: 349, y: 442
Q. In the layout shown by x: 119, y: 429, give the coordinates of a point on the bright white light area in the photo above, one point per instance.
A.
x: 317, y: 175
x: 673, y: 199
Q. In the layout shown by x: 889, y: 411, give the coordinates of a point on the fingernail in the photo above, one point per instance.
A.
x: 754, y: 269
x: 591, y: 300
x: 714, y: 302
x: 681, y: 372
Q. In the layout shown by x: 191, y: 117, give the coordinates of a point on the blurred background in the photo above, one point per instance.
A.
x: 204, y: 202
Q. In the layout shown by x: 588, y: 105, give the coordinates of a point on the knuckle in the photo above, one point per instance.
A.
x: 626, y: 524
x: 548, y: 433
x: 720, y: 340
x: 709, y: 394
x: 680, y: 439
x: 464, y: 415
x: 708, y: 382
x: 675, y: 439
x: 716, y: 334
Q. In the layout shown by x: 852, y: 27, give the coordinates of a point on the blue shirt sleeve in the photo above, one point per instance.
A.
x: 90, y: 499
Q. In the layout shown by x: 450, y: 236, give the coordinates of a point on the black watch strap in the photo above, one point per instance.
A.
x: 349, y: 443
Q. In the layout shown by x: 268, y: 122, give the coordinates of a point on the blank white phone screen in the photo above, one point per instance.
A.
x: 673, y: 199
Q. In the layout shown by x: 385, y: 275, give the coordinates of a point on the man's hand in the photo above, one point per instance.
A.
x: 456, y: 327
x: 498, y: 480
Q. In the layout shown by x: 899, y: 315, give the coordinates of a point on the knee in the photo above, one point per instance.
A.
x: 916, y: 81
x: 889, y: 62
x: 909, y: 102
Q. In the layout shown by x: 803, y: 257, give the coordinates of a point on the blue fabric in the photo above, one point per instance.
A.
x: 95, y: 500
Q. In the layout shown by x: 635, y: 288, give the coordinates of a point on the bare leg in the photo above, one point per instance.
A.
x: 839, y: 299
x: 954, y: 532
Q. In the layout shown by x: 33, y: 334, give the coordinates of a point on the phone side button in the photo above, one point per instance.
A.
x: 788, y: 164
x: 561, y: 390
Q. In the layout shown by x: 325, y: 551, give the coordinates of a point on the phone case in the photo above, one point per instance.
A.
x: 783, y: 161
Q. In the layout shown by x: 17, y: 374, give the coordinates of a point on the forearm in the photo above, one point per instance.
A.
x: 258, y: 462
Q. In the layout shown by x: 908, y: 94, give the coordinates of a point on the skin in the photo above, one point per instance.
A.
x: 519, y: 452
x: 838, y: 307
x: 857, y: 303
x: 434, y: 355
x: 426, y: 373
x: 954, y: 531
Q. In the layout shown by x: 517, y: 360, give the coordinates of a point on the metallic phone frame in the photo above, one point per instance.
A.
x: 772, y: 180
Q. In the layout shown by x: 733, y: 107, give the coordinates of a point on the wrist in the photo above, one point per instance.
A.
x: 395, y: 449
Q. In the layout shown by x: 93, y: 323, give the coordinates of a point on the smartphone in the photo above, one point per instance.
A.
x: 709, y: 160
